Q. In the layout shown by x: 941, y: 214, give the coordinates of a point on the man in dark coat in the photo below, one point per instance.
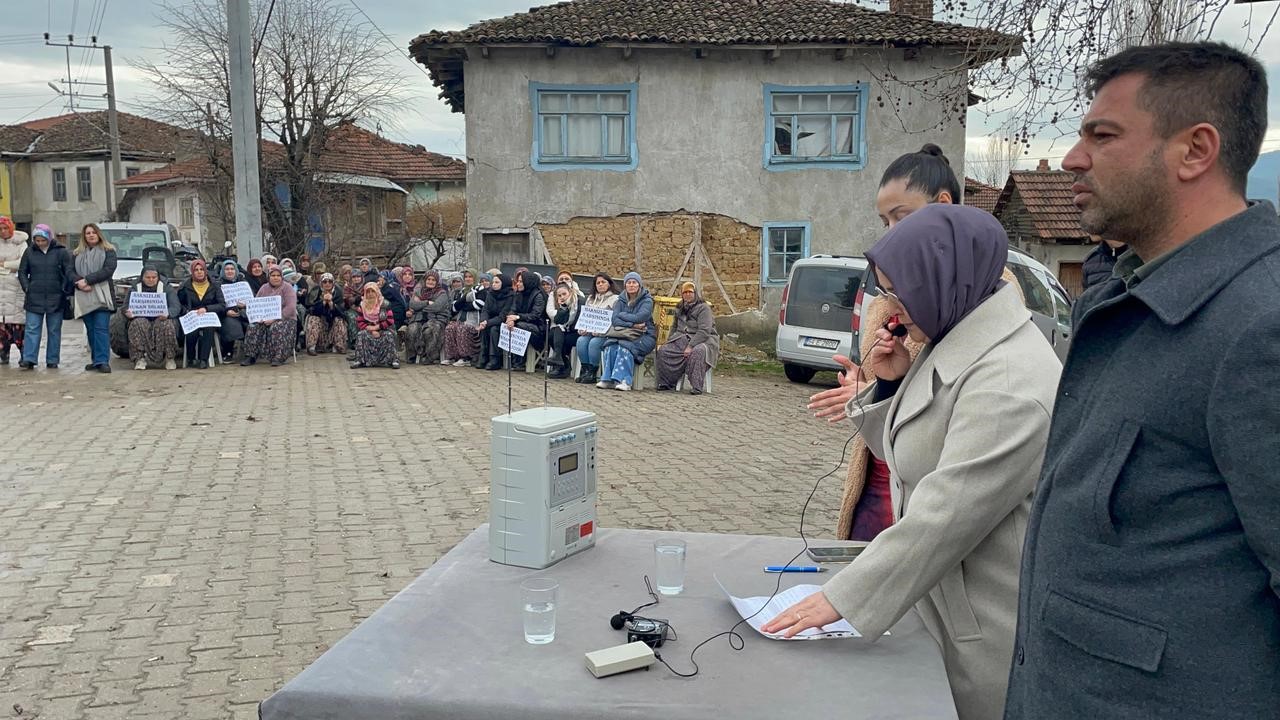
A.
x: 1098, y: 266
x: 1150, y: 584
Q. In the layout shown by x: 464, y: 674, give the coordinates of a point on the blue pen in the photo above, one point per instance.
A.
x: 793, y: 568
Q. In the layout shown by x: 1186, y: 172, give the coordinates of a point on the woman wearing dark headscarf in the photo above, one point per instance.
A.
x: 528, y: 312
x: 391, y: 294
x: 497, y: 306
x: 201, y: 294
x: 153, y: 340
x: 428, y: 314
x: 367, y: 272
x: 234, y: 323
x: 692, y: 346
x: 256, y: 275
x: 963, y: 430
x: 375, y: 341
x: 274, y: 338
x: 326, y: 323
x: 633, y: 336
x: 461, y: 337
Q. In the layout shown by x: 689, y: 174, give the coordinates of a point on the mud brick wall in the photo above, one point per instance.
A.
x: 588, y: 244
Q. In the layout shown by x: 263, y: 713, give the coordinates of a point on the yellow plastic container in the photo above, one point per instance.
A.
x: 664, y: 314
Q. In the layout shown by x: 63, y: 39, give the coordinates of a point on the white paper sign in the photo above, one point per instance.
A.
x: 263, y: 308
x: 514, y: 341
x: 193, y: 321
x: 595, y: 320
x: 148, y: 304
x: 236, y: 293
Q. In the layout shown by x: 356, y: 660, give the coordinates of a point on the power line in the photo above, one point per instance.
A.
x: 399, y: 51
x: 38, y: 108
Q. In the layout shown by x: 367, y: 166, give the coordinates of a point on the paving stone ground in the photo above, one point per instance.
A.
x: 181, y: 544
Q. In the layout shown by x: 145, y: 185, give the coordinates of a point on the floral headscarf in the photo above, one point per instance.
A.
x: 407, y: 285
x: 371, y: 303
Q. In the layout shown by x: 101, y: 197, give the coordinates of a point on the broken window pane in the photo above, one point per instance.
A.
x: 782, y: 136
x: 551, y: 144
x: 814, y: 137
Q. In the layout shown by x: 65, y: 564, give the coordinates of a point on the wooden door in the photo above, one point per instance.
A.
x: 1071, y: 275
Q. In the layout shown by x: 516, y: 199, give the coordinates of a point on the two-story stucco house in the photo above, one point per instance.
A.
x: 713, y: 141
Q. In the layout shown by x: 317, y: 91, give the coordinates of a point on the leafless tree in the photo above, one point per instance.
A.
x: 1037, y: 91
x: 993, y: 163
x: 316, y: 64
x: 433, y: 227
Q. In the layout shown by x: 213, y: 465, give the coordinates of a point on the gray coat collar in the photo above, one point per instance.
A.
x: 1209, y: 262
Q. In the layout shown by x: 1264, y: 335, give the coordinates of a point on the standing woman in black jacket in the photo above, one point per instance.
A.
x: 95, y: 264
x: 497, y: 305
x: 45, y: 275
x: 201, y: 294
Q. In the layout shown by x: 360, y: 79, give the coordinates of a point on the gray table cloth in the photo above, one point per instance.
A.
x: 451, y: 645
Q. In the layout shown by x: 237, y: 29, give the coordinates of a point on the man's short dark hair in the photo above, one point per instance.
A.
x: 1200, y: 82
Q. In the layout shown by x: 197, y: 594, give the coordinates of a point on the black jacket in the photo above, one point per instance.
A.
x: 497, y: 306
x: 1097, y: 267
x: 315, y: 304
x: 530, y: 307
x: 395, y: 302
x: 1151, y: 572
x: 46, y: 278
x: 213, y: 301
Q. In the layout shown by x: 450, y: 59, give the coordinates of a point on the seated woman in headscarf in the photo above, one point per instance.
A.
x: 428, y: 314
x: 461, y: 336
x: 274, y: 339
x: 395, y: 300
x: 633, y: 335
x: 563, y: 333
x: 352, y: 284
x: 153, y: 339
x: 326, y: 318
x: 367, y: 272
x: 497, y: 306
x: 529, y: 313
x: 267, y: 261
x: 693, y: 345
x: 375, y: 339
x: 234, y: 322
x: 256, y: 275
x: 200, y: 294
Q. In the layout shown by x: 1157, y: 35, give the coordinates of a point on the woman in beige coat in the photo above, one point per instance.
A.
x: 963, y: 430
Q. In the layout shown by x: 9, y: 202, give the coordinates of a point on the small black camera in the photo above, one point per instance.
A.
x: 651, y: 632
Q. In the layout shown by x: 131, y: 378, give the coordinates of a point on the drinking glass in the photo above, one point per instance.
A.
x: 538, y: 596
x: 669, y: 566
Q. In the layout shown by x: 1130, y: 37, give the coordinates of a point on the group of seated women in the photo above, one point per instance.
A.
x: 379, y: 316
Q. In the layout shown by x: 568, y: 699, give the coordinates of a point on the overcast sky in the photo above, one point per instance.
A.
x: 26, y: 65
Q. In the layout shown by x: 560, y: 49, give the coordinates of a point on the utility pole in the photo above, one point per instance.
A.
x: 113, y: 125
x: 244, y: 131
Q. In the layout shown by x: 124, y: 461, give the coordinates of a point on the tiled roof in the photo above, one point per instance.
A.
x: 1047, y: 197
x: 697, y: 22
x: 980, y: 194
x: 87, y: 133
x: 350, y: 148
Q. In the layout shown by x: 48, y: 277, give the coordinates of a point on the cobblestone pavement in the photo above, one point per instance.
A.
x: 180, y: 544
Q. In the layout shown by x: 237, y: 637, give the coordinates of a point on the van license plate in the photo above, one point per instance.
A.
x: 823, y: 343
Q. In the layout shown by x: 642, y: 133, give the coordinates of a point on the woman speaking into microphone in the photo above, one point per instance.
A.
x: 963, y: 430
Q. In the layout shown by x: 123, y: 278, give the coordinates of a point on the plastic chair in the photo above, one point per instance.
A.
x: 706, y: 384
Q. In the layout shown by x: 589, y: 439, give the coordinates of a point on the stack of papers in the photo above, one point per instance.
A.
x: 750, y: 610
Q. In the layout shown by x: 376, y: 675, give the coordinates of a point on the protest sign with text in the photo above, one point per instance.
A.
x: 236, y: 293
x: 263, y: 308
x: 193, y: 321
x: 514, y: 340
x: 595, y: 320
x: 148, y: 304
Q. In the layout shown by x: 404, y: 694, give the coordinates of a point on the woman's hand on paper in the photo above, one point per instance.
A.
x: 813, y: 611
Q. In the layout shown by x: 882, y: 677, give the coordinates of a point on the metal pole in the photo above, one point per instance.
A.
x: 113, y: 128
x: 244, y: 132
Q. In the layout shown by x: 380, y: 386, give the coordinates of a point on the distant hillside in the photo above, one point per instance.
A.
x: 1264, y: 178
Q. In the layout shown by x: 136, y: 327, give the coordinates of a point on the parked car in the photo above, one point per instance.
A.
x: 817, y: 318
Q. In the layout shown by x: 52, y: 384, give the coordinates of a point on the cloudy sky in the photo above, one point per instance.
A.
x: 27, y: 65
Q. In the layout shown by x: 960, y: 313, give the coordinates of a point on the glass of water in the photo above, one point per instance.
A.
x: 669, y: 571
x: 538, y: 596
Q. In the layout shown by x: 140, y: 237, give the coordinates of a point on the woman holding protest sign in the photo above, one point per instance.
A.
x: 153, y: 334
x: 200, y: 294
x: 590, y: 344
x: 234, y: 322
x: 273, y: 337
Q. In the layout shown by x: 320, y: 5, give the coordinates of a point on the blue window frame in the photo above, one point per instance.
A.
x: 816, y: 126
x: 782, y: 244
x: 584, y: 127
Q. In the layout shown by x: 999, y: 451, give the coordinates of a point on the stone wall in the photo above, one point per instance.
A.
x: 656, y: 244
